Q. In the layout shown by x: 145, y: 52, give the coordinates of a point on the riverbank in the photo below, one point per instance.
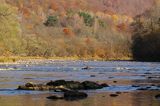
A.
x: 13, y: 59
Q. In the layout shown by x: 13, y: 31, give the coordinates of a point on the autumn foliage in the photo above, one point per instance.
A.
x: 73, y: 28
x: 68, y: 32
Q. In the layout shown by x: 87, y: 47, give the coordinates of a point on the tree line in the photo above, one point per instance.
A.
x: 81, y: 34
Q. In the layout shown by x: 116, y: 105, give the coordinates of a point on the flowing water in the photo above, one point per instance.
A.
x: 122, y: 76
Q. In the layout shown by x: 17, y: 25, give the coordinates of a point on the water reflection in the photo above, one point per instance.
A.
x: 125, y: 74
x: 99, y: 99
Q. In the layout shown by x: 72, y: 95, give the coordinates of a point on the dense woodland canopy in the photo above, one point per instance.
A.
x: 106, y: 29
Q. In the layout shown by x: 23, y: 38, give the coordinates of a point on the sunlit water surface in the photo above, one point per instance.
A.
x: 120, y: 75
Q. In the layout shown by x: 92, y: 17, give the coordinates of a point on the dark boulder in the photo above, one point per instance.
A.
x: 63, y: 86
x: 118, y: 92
x: 114, y: 81
x: 91, y: 85
x: 147, y: 73
x: 74, y: 95
x: 113, y: 95
x: 30, y: 84
x: 92, y: 75
x: 158, y: 86
x: 135, y: 86
x: 86, y: 68
x: 104, y: 85
x: 157, y: 96
x: 56, y: 83
x: 144, y: 88
x: 74, y: 85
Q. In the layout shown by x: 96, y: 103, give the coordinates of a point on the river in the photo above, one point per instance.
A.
x: 124, y: 77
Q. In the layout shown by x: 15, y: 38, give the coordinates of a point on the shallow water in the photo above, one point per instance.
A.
x: 120, y: 75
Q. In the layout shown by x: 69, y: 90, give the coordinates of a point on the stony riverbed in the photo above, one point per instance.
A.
x: 130, y: 83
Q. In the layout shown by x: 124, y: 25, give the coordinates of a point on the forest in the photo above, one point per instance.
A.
x: 79, y: 29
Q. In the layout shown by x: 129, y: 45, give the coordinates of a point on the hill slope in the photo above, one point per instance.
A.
x: 76, y: 28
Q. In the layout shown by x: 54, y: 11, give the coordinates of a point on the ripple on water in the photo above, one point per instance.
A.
x: 54, y: 70
x: 10, y: 92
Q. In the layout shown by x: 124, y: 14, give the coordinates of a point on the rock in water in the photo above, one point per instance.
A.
x: 43, y: 88
x: 30, y: 84
x: 86, y: 68
x: 91, y: 85
x: 63, y: 86
x: 74, y: 85
x: 56, y: 83
x: 157, y: 96
x: 92, y: 75
x: 104, y: 85
x: 143, y: 89
x: 55, y: 97
x: 113, y: 95
x: 74, y: 95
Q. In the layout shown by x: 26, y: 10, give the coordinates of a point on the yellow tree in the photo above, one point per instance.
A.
x: 9, y: 30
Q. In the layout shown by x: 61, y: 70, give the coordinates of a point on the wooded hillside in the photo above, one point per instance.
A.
x: 73, y: 28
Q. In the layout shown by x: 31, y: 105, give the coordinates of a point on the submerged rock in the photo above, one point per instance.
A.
x: 91, y: 85
x: 135, y: 86
x: 74, y: 95
x: 144, y: 88
x: 86, y: 68
x: 147, y: 73
x: 158, y: 86
x: 113, y: 95
x: 118, y: 92
x: 104, y: 85
x: 157, y: 96
x: 114, y: 81
x: 110, y: 77
x: 92, y: 75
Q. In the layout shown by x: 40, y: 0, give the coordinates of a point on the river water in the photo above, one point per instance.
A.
x: 123, y: 76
